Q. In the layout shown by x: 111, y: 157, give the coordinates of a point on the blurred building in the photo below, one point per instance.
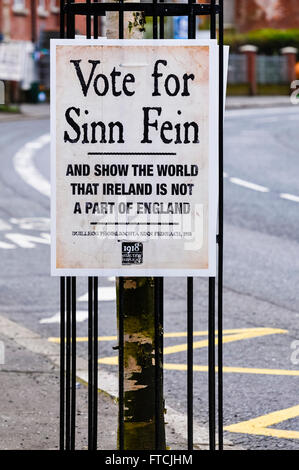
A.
x: 248, y: 15
x: 26, y: 27
x: 23, y: 24
x: 23, y: 20
x: 27, y: 20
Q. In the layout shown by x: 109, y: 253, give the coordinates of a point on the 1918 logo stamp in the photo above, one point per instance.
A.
x: 132, y: 253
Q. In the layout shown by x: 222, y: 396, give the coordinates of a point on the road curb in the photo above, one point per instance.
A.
x: 257, y: 102
x: 230, y: 107
x: 108, y: 383
x: 7, y: 117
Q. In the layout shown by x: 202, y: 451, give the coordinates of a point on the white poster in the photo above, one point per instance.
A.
x: 12, y: 60
x: 134, y: 133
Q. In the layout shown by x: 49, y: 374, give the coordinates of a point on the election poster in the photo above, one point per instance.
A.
x: 134, y: 155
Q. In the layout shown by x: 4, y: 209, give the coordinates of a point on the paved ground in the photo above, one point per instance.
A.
x: 30, y: 404
x: 29, y: 410
x: 29, y: 367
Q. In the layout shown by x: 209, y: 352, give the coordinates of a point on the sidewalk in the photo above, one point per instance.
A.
x: 29, y: 407
x: 27, y: 111
x: 243, y: 102
x: 36, y: 111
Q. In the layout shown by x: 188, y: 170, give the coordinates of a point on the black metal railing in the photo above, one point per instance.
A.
x: 161, y: 10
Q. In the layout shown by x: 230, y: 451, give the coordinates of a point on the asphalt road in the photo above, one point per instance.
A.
x: 261, y: 272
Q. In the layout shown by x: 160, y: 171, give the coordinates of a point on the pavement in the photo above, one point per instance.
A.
x: 29, y: 368
x: 241, y: 102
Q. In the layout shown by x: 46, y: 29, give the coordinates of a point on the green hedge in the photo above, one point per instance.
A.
x: 268, y: 41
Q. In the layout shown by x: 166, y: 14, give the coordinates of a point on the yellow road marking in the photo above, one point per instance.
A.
x: 256, y: 426
x: 235, y: 370
x: 113, y: 361
x: 261, y: 426
x: 84, y: 339
x: 181, y: 334
x: 229, y: 336
x: 245, y: 334
x: 241, y: 334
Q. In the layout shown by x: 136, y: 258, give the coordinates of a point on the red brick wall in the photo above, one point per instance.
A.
x: 21, y: 25
x: 257, y: 14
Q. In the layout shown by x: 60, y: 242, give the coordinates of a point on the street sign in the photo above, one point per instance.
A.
x: 134, y: 132
x: 16, y: 63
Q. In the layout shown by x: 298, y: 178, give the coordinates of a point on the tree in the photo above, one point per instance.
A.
x: 139, y: 321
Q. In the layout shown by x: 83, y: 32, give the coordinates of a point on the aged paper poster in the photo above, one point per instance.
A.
x: 134, y: 129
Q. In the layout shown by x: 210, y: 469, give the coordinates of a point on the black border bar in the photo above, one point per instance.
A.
x: 163, y: 9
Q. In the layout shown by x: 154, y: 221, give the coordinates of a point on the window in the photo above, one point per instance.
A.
x: 19, y: 4
x: 41, y: 9
x: 229, y: 13
x: 54, y: 6
x: 19, y: 7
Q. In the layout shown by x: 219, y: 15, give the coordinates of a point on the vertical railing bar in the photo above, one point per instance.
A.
x: 211, y: 320
x: 88, y: 21
x: 193, y: 22
x: 161, y: 310
x: 157, y: 363
x: 161, y: 347
x: 121, y: 364
x: 62, y: 364
x: 68, y: 22
x: 74, y: 352
x: 90, y: 363
x: 95, y: 363
x: 121, y: 313
x: 121, y: 22
x: 155, y: 21
x: 161, y: 344
x: 191, y: 34
x: 190, y: 362
x: 73, y: 22
x: 62, y: 20
x: 95, y: 24
x: 220, y: 238
x: 213, y: 19
x: 62, y: 305
x: 161, y: 21
x: 68, y: 365
x: 190, y: 20
x: 211, y: 353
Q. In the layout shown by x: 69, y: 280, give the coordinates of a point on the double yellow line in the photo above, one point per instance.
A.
x: 229, y: 336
